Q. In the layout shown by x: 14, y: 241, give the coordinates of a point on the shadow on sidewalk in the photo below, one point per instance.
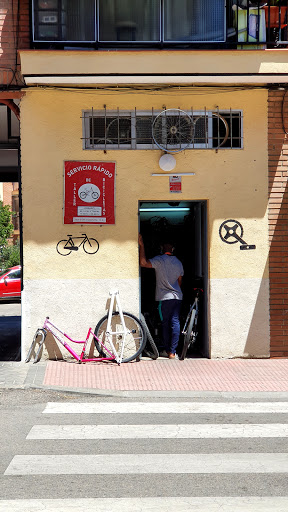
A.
x: 10, y: 338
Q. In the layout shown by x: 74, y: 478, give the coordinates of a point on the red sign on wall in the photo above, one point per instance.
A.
x: 175, y: 184
x: 89, y: 193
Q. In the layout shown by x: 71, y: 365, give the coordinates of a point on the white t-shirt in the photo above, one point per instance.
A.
x: 168, y: 269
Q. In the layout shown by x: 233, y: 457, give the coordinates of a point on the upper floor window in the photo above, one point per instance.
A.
x: 197, y: 21
x: 160, y: 22
x: 64, y: 20
x: 127, y: 21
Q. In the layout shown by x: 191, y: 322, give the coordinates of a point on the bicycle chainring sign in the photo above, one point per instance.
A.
x: 231, y: 232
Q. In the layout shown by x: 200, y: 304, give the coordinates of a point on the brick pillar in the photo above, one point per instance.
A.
x: 14, y: 34
x: 7, y: 194
x: 278, y: 221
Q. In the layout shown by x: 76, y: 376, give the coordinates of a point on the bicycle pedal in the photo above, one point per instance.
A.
x: 71, y: 248
x: 247, y: 247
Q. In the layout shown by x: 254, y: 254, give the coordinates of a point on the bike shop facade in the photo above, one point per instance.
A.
x: 225, y: 187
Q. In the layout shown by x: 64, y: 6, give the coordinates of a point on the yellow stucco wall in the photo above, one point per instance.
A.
x: 234, y: 182
x: 158, y: 62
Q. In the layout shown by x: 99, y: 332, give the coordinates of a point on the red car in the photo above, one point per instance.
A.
x: 10, y: 283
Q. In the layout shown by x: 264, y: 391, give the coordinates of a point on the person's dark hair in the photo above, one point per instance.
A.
x: 168, y: 246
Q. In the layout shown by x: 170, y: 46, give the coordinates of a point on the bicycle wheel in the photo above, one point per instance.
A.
x: 135, y: 339
x: 91, y: 246
x: 63, y: 247
x: 155, y: 353
x: 187, y: 335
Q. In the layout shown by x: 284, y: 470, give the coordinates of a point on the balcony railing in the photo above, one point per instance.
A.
x: 263, y: 24
x: 160, y: 23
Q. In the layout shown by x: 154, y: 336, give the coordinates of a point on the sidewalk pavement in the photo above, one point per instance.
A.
x: 163, y: 376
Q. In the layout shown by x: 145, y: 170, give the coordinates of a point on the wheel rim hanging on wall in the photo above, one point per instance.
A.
x: 173, y: 130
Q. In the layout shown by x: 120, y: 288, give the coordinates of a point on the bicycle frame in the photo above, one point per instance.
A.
x: 195, y: 306
x: 48, y: 326
x: 114, y: 294
x: 72, y: 238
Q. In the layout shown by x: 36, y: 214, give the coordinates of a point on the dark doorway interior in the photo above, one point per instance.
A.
x: 185, y: 222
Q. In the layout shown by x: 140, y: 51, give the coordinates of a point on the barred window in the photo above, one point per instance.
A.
x: 171, y: 130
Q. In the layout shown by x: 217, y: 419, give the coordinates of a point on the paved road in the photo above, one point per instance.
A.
x: 10, y: 331
x: 60, y: 452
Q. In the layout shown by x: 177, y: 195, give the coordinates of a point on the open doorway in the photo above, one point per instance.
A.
x: 184, y: 222
x: 11, y: 242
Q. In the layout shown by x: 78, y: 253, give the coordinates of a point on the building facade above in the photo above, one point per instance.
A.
x: 159, y: 23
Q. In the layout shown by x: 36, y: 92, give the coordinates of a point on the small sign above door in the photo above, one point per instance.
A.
x: 175, y: 184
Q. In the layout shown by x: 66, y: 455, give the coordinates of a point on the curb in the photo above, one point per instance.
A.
x: 156, y: 394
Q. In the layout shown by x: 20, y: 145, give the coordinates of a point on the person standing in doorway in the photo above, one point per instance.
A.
x: 169, y: 272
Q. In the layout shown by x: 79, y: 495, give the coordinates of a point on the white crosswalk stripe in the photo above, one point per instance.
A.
x: 192, y: 504
x: 202, y: 422
x: 153, y: 463
x: 166, y: 408
x: 194, y: 431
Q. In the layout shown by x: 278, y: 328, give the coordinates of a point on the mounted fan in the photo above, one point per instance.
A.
x: 173, y: 130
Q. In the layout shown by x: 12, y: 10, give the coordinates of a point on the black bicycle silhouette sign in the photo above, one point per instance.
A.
x: 231, y: 232
x: 65, y: 247
x: 89, y: 194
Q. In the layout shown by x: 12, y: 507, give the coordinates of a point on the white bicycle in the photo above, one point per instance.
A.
x: 122, y: 330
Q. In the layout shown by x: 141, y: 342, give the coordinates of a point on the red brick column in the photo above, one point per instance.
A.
x: 14, y: 34
x: 7, y: 194
x: 278, y: 220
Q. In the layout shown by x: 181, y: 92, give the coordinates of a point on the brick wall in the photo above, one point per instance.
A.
x: 7, y: 193
x: 14, y: 33
x: 278, y: 221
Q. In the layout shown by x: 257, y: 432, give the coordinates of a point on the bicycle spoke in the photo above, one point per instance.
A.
x: 134, y: 340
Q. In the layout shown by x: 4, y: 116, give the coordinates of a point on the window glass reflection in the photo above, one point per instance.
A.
x: 129, y: 20
x: 196, y: 20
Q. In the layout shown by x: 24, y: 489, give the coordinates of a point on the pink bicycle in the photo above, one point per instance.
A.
x: 118, y: 336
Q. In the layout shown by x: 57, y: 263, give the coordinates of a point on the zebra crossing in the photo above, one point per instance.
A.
x: 179, y: 504
x: 155, y: 456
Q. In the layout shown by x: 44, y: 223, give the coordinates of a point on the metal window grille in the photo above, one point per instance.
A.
x: 118, y: 130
